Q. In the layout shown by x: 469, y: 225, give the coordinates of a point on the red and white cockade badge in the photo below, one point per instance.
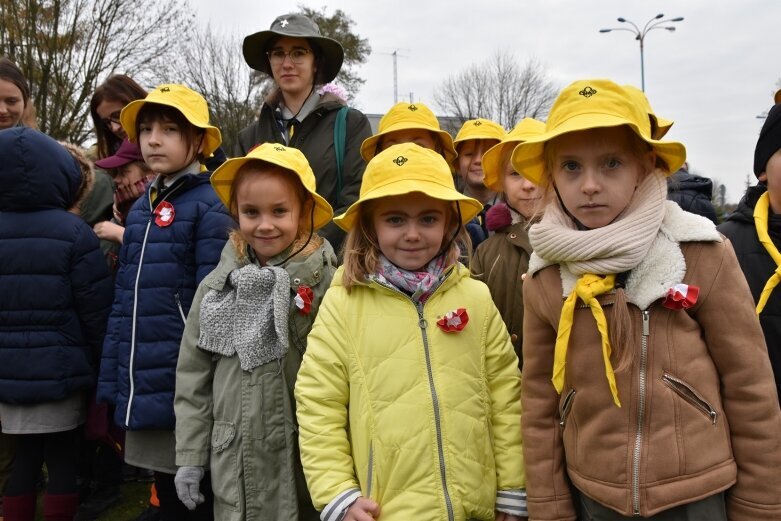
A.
x: 164, y: 214
x: 681, y: 296
x: 453, y: 321
x: 303, y: 299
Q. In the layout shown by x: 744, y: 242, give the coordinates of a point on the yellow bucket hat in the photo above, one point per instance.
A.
x: 406, y: 168
x: 493, y: 157
x: 288, y: 158
x: 479, y: 129
x: 403, y: 116
x: 191, y: 104
x: 659, y: 125
x: 585, y: 105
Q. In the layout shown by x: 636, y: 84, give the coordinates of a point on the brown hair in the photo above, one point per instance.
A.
x: 11, y: 73
x: 361, y: 251
x: 191, y: 135
x: 622, y: 327
x: 255, y: 167
x: 87, y: 176
x: 120, y: 89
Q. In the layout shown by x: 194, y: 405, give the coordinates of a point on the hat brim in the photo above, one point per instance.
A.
x: 529, y: 161
x: 223, y: 177
x: 469, y: 207
x: 212, y: 135
x: 112, y: 162
x: 254, y: 50
x: 369, y: 145
x: 492, y: 164
x: 663, y: 126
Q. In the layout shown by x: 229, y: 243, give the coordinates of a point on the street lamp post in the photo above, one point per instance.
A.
x: 654, y: 23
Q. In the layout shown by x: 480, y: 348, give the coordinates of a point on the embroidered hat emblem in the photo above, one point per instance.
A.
x: 165, y: 89
x: 478, y: 123
x: 284, y: 22
x: 400, y: 160
x: 453, y: 321
x: 587, y: 92
x: 280, y: 149
x: 164, y: 214
x: 413, y: 108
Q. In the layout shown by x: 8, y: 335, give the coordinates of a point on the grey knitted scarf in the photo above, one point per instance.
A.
x: 250, y: 318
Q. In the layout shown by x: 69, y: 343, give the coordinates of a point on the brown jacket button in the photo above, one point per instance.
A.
x: 514, y: 337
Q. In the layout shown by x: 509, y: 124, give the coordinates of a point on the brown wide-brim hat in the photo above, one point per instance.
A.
x: 295, y: 26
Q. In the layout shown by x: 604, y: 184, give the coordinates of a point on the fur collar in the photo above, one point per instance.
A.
x: 664, y: 266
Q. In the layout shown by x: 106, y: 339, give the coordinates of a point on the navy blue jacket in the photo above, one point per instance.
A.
x: 55, y: 288
x: 160, y: 268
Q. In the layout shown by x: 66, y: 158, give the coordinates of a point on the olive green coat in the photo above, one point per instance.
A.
x: 240, y: 424
x: 501, y: 261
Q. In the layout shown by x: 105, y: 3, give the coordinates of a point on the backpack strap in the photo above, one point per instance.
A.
x: 340, y: 137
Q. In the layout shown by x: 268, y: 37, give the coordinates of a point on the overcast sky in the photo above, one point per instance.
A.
x: 713, y: 76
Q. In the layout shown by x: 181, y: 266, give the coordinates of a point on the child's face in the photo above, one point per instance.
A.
x: 419, y: 136
x: 11, y: 104
x: 410, y: 228
x: 521, y: 194
x: 164, y: 147
x: 269, y: 212
x: 470, y: 161
x: 596, y: 173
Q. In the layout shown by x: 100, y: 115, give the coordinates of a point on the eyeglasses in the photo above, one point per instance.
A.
x: 112, y: 119
x: 277, y: 56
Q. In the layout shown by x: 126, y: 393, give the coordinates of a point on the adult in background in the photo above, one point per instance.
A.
x: 692, y: 192
x: 296, y: 113
x: 14, y: 94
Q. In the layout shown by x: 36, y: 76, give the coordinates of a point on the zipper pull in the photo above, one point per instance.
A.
x: 646, y: 323
x: 422, y: 323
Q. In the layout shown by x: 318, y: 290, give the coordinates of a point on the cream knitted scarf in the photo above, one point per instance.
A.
x: 614, y: 248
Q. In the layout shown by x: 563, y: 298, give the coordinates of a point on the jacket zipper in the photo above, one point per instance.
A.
x: 566, y: 406
x: 179, y: 305
x: 371, y: 468
x: 133, y: 329
x: 423, y: 325
x: 686, y: 392
x: 640, y: 414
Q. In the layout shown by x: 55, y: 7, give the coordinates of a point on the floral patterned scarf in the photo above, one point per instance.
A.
x: 418, y: 284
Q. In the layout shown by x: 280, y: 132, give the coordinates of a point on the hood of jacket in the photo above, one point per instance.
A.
x: 682, y: 181
x: 744, y: 213
x: 36, y: 172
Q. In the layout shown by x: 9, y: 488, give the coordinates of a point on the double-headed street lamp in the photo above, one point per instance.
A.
x: 654, y: 23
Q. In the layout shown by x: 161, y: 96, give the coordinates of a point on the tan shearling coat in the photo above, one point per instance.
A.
x: 699, y: 410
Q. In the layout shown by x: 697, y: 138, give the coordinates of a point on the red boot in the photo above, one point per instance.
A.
x: 60, y: 507
x: 19, y: 508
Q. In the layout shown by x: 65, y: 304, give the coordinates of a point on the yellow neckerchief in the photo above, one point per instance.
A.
x: 761, y: 211
x: 589, y: 286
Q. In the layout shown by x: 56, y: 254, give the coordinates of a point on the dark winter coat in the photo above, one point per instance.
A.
x: 693, y: 193
x: 160, y: 269
x: 758, y: 266
x: 500, y: 262
x: 55, y: 289
x: 314, y: 136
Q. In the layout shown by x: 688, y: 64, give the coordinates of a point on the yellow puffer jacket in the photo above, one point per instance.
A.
x: 391, y: 407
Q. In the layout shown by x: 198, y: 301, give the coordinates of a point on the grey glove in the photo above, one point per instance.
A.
x: 187, y: 482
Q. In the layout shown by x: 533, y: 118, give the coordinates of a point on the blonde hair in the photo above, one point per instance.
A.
x: 622, y: 327
x: 361, y: 250
x: 87, y: 176
x: 306, y: 240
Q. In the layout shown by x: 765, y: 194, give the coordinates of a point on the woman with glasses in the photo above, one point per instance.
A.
x: 300, y: 115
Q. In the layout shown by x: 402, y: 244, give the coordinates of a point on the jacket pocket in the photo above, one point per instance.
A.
x: 224, y: 465
x: 690, y: 395
x: 566, y: 407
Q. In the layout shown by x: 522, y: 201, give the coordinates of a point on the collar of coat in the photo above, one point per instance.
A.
x: 454, y: 273
x: 306, y: 271
x: 664, y: 266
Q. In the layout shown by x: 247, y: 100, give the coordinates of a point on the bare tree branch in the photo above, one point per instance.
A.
x: 500, y: 89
